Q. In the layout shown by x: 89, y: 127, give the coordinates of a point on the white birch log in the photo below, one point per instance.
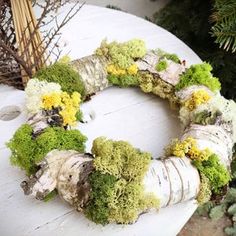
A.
x: 170, y: 74
x: 172, y: 180
x: 66, y: 171
x: 38, y: 122
x: 213, y: 137
x: 92, y: 70
x: 186, y: 93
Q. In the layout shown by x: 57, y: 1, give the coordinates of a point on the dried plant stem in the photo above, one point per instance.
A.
x: 25, y: 23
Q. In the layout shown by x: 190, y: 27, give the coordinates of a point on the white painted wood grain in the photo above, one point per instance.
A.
x: 127, y: 114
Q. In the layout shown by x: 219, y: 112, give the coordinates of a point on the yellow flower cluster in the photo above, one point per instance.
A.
x: 117, y: 71
x: 188, y: 147
x: 51, y: 100
x: 198, y: 97
x: 132, y: 70
x: 69, y: 105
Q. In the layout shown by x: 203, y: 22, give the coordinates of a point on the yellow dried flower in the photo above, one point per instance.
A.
x: 132, y: 70
x: 76, y: 99
x: 188, y: 147
x: 69, y: 105
x: 115, y: 70
x: 69, y: 116
x: 51, y: 100
x: 198, y: 97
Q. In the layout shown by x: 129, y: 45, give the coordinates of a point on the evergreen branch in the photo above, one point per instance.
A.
x: 224, y: 29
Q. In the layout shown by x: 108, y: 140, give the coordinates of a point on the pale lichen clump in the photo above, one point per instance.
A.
x: 120, y: 159
x: 122, y: 54
x: 118, y: 193
x: 122, y: 70
x: 123, y: 77
x: 204, y: 194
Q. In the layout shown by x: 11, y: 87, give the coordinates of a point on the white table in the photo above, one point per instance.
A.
x: 144, y: 120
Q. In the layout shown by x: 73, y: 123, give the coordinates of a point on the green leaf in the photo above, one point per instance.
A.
x: 217, y: 212
x: 230, y: 230
x: 204, y: 209
x: 234, y: 218
x: 230, y: 196
x: 232, y: 209
x: 233, y: 168
x: 50, y: 196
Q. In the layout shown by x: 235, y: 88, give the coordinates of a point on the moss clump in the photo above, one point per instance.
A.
x: 169, y: 56
x: 120, y: 159
x: 199, y: 74
x: 116, y: 200
x: 128, y: 201
x: 27, y: 151
x: 206, y: 117
x: 172, y: 57
x: 102, y: 190
x: 161, y: 65
x: 23, y: 148
x: 122, y: 54
x: 117, y: 190
x: 124, y: 80
x: 63, y: 74
x: 150, y: 84
x: 122, y: 70
x: 216, y: 173
x: 204, y: 194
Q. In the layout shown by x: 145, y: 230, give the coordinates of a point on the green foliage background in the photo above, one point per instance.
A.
x: 192, y: 22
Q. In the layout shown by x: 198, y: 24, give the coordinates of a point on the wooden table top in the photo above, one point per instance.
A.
x: 128, y: 114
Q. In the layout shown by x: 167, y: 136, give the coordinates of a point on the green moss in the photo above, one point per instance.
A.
x: 161, y: 65
x: 117, y: 184
x: 199, y: 74
x: 172, y: 57
x: 117, y: 200
x: 50, y: 196
x: 120, y: 159
x: 79, y: 115
x: 122, y: 54
x: 169, y: 56
x: 63, y: 74
x: 124, y: 80
x: 102, y: 189
x: 27, y: 151
x: 216, y: 173
x: 23, y: 149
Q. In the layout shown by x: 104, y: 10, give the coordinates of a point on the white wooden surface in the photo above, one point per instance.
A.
x: 143, y: 120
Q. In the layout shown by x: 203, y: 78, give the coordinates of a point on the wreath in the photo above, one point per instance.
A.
x: 117, y: 182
